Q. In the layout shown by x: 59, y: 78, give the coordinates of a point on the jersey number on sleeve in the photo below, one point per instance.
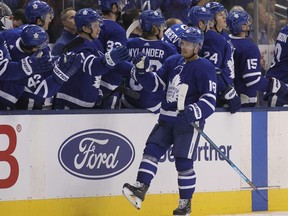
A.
x: 252, y: 63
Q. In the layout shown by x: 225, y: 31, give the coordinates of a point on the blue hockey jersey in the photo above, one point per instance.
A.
x: 9, y: 70
x: 32, y: 89
x: 157, y: 51
x: 178, y: 9
x: 248, y: 78
x: 279, y: 65
x: 217, y: 50
x: 200, y: 75
x: 112, y: 35
x: 82, y: 89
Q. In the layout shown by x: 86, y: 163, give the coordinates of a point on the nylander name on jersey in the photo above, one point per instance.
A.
x: 149, y: 51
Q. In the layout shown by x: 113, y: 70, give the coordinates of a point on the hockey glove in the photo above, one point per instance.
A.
x: 278, y: 87
x: 66, y: 66
x: 37, y: 63
x: 233, y: 100
x: 116, y: 56
x: 141, y: 63
x: 191, y: 113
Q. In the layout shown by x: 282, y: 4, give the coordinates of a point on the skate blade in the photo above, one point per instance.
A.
x: 188, y: 214
x: 135, y: 201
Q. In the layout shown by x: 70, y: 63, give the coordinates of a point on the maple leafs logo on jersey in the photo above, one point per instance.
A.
x: 230, y: 65
x: 173, y: 88
x: 97, y: 82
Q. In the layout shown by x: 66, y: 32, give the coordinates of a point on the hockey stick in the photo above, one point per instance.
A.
x: 123, y: 90
x: 181, y: 106
x: 146, y: 3
x: 131, y: 28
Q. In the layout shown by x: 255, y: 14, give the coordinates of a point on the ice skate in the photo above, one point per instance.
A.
x: 135, y: 194
x: 184, y: 208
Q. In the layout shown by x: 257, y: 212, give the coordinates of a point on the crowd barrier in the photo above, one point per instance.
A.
x: 74, y: 163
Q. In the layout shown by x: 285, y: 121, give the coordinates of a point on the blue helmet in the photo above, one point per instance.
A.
x: 172, y: 34
x: 37, y: 10
x: 106, y: 5
x: 34, y: 36
x: 198, y: 13
x: 215, y: 7
x: 85, y: 16
x: 194, y: 35
x: 148, y: 18
x: 236, y: 19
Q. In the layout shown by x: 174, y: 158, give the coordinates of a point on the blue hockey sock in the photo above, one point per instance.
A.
x: 149, y: 164
x: 186, y: 183
x: 147, y: 170
x: 186, y: 177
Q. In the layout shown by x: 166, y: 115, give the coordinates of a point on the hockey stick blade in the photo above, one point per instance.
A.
x: 180, y: 106
x: 183, y: 88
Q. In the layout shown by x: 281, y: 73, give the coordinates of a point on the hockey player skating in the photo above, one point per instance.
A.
x: 248, y: 77
x: 174, y: 127
x: 279, y: 67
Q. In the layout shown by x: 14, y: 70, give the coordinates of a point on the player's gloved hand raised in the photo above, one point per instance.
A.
x: 141, y: 63
x: 233, y: 100
x: 66, y: 66
x: 116, y: 56
x: 37, y: 63
x: 191, y: 113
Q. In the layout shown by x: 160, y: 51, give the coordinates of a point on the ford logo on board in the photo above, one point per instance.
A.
x: 96, y: 154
